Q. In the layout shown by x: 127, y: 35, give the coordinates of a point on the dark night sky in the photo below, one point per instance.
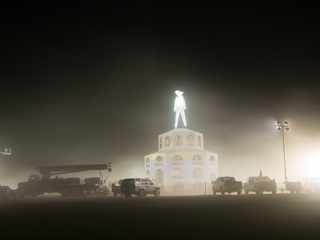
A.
x: 94, y: 83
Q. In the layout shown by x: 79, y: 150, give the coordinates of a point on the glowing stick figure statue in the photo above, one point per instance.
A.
x: 179, y: 107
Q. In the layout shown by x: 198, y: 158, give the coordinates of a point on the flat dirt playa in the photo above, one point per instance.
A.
x: 281, y: 216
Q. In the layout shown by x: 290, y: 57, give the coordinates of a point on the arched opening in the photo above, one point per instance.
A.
x: 199, y: 142
x: 177, y: 160
x: 197, y: 173
x: 177, y: 173
x: 158, y: 161
x: 167, y: 141
x: 197, y: 160
x: 178, y: 140
x: 159, y: 177
x: 190, y: 140
x: 148, y: 174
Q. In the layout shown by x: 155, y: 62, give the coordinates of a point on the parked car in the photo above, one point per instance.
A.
x: 260, y: 184
x: 140, y: 187
x: 7, y: 192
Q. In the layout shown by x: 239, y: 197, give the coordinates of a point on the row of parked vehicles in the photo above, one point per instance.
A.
x: 143, y: 186
x: 257, y: 184
x: 69, y: 187
x: 75, y: 187
x: 125, y: 187
x: 7, y: 192
x: 49, y: 182
x: 260, y: 184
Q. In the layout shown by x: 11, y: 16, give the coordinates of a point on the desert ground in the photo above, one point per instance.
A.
x: 280, y: 216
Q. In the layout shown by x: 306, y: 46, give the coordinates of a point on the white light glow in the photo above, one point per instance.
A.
x: 179, y: 107
x: 313, y: 168
x: 304, y: 158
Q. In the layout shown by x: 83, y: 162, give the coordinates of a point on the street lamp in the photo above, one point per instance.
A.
x: 283, y: 127
x: 7, y: 151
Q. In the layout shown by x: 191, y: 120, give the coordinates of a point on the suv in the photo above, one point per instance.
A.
x: 140, y: 187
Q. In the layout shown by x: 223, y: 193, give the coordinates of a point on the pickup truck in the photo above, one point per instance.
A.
x: 226, y: 184
x: 260, y: 184
x: 116, y: 188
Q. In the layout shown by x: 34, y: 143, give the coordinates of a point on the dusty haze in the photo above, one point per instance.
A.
x: 95, y: 84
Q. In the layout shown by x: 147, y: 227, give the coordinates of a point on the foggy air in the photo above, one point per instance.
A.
x: 182, y: 99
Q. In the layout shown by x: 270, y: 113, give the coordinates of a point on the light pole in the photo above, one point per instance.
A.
x: 283, y: 127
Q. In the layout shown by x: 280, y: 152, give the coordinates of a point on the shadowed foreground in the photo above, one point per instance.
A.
x: 281, y: 216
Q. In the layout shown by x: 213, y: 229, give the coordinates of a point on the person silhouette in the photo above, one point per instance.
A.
x: 179, y: 107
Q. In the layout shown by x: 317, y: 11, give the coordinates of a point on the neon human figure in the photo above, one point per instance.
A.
x: 179, y: 107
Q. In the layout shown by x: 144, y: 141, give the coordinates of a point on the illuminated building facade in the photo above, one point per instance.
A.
x: 181, y: 164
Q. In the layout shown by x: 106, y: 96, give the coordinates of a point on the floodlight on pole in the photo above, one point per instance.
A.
x: 283, y: 127
x: 7, y: 151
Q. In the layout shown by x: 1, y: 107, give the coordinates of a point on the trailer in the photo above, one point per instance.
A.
x: 294, y: 187
x: 72, y: 186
